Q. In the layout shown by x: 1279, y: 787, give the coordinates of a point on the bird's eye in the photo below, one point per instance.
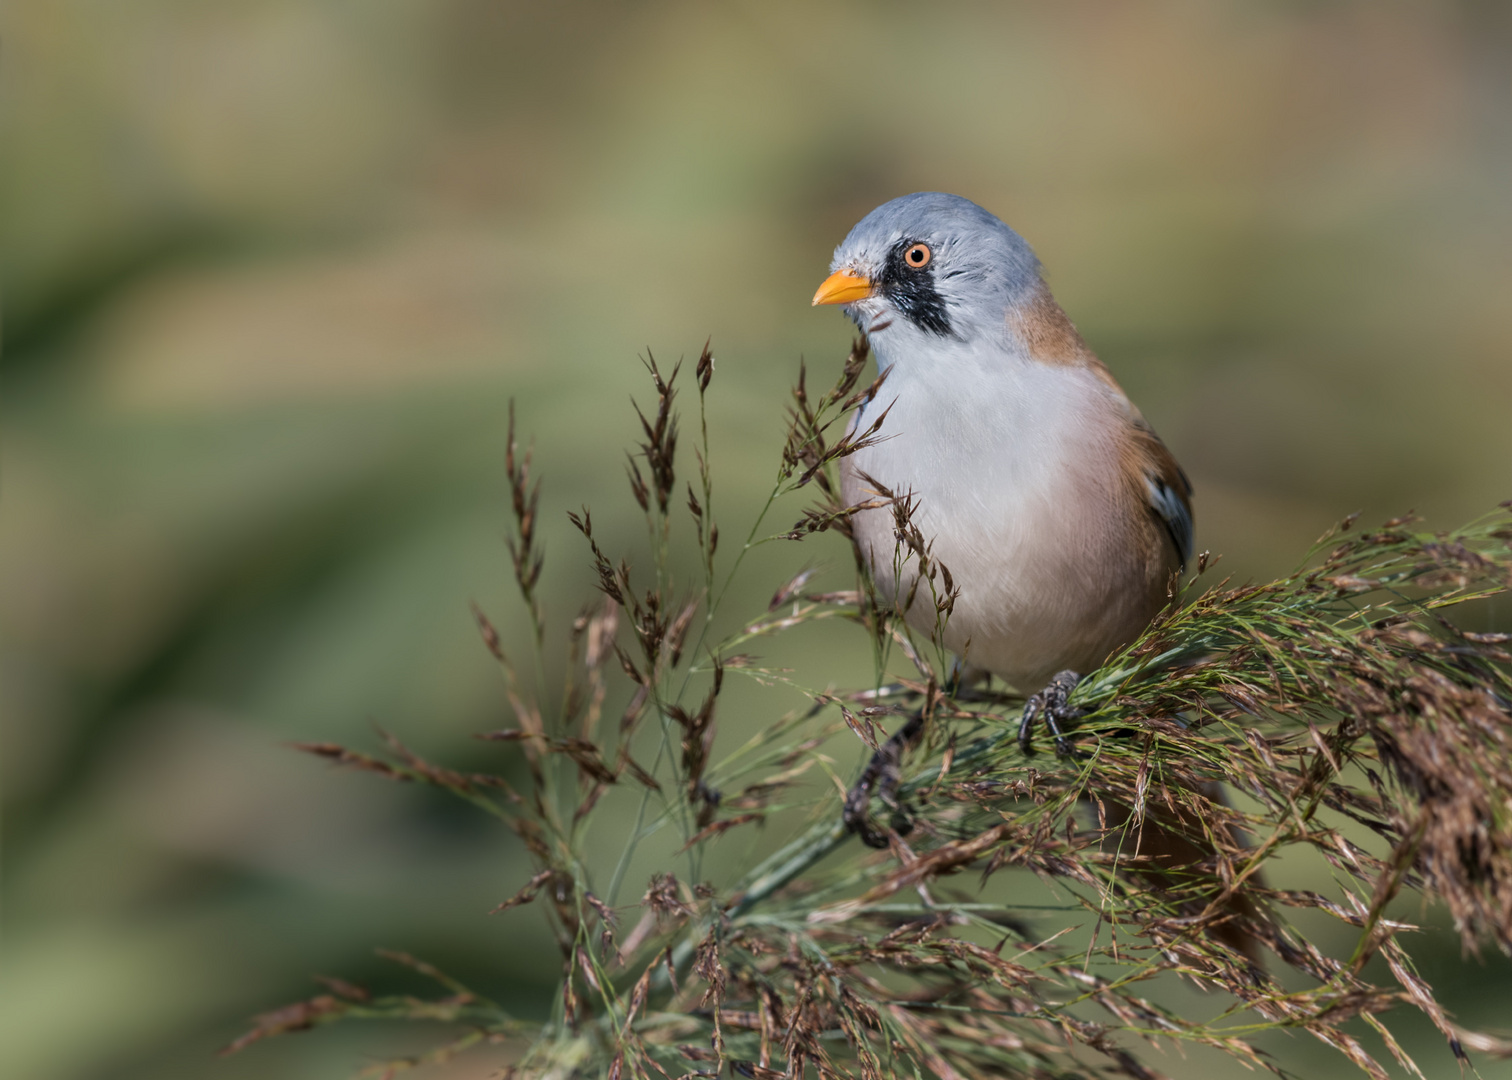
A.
x: 917, y: 256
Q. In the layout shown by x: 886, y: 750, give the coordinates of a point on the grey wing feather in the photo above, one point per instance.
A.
x: 1175, y: 513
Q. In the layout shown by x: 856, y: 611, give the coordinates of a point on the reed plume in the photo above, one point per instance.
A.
x: 1339, y: 711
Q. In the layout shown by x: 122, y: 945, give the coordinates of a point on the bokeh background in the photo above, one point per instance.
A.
x: 273, y: 269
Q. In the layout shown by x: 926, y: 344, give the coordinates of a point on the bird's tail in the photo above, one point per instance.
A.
x: 1188, y: 856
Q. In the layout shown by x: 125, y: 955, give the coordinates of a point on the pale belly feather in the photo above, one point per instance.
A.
x: 1027, y: 505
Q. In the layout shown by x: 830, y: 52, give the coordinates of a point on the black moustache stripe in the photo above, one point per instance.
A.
x: 912, y: 291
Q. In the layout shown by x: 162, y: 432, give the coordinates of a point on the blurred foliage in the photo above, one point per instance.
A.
x: 272, y: 270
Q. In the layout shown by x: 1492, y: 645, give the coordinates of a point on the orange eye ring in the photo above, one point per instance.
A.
x: 917, y: 256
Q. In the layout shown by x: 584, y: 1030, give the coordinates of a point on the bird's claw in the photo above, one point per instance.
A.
x: 1050, y: 704
x: 881, y: 777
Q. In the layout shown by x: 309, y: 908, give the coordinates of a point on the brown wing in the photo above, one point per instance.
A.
x: 1166, y: 489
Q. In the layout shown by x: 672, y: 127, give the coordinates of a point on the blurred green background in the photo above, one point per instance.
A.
x: 273, y: 268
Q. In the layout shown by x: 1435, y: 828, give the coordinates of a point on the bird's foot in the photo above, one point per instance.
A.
x: 881, y: 777
x: 1050, y: 705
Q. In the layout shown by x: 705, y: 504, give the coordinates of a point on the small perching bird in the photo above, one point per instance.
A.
x: 1061, y: 515
x: 1059, y: 512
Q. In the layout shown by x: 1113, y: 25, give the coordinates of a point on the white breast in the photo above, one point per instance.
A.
x: 1016, y: 468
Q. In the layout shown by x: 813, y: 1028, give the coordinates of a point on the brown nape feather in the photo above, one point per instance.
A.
x: 1052, y: 338
x: 1174, y: 847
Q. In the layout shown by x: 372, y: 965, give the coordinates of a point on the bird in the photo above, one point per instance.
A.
x: 1059, y: 512
x: 1061, y: 515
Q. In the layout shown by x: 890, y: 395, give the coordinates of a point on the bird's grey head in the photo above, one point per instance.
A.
x: 930, y: 266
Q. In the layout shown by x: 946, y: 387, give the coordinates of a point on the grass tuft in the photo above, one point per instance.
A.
x: 1339, y: 711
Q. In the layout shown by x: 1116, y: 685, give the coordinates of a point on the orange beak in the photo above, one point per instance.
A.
x: 843, y: 287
